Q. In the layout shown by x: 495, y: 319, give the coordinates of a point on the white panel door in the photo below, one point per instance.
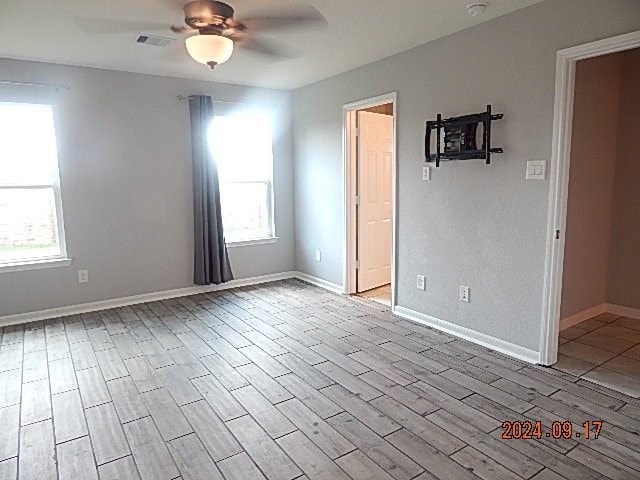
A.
x: 375, y: 151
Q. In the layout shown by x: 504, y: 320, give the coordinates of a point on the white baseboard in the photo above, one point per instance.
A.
x: 488, y: 341
x: 502, y: 346
x: 471, y: 335
x: 624, y: 311
x: 582, y: 316
x: 333, y: 287
x: 135, y: 299
x: 156, y: 296
x: 597, y: 310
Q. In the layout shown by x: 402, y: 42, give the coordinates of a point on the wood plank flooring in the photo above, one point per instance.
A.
x: 284, y: 381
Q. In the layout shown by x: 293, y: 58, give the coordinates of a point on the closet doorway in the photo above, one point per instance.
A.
x: 370, y: 187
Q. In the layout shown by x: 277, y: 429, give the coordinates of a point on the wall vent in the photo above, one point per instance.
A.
x: 153, y: 40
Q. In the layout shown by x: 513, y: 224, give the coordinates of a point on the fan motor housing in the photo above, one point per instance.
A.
x: 203, y: 13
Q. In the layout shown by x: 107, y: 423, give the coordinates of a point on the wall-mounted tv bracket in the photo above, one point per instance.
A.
x: 460, y: 137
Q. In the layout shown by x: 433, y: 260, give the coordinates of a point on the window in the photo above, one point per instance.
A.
x: 30, y: 208
x: 242, y: 148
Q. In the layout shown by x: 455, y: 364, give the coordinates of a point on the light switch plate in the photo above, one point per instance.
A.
x: 426, y: 173
x: 536, y: 169
x: 420, y: 285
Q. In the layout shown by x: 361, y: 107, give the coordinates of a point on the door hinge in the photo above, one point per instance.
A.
x: 557, y: 234
x: 357, y: 131
x: 356, y: 200
x: 357, y: 264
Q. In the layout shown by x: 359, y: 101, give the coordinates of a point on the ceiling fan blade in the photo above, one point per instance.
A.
x: 182, y: 29
x: 307, y: 17
x: 107, y: 25
x: 273, y: 52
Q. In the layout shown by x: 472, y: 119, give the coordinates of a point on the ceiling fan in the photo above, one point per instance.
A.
x: 214, y: 31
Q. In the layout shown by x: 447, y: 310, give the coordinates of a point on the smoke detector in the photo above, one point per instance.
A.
x: 476, y: 9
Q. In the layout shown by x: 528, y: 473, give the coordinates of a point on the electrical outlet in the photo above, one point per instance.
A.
x: 420, y: 282
x: 464, y: 294
x: 318, y: 256
x: 83, y: 276
x: 426, y: 173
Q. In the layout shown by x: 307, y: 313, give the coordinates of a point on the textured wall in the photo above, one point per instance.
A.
x: 125, y: 168
x: 472, y: 224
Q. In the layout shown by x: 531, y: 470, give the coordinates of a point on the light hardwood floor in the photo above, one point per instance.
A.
x: 284, y: 381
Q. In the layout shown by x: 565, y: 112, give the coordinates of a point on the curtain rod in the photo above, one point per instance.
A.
x: 57, y: 86
x: 189, y: 97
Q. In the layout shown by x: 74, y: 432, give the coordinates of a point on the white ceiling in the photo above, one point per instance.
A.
x: 359, y: 32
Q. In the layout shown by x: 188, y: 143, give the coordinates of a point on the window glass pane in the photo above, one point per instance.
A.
x: 241, y: 143
x: 245, y: 212
x: 27, y: 144
x: 242, y: 147
x: 28, y: 224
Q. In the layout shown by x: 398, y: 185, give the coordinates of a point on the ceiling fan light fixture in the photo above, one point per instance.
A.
x: 209, y: 50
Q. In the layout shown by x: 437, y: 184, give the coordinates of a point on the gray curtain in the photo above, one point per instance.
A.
x: 211, y: 261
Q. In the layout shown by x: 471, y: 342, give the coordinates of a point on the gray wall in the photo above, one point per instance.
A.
x: 593, y: 163
x: 476, y: 225
x: 624, y: 261
x: 125, y: 170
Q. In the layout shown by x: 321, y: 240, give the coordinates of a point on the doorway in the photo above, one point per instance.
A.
x: 558, y: 236
x: 370, y: 198
x: 600, y: 280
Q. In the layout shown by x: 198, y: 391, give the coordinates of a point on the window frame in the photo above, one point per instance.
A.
x: 271, y: 236
x: 61, y: 259
x: 270, y: 213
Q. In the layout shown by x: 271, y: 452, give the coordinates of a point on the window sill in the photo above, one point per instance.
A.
x: 253, y: 241
x: 34, y: 265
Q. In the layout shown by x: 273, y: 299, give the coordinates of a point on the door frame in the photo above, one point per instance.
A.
x: 349, y: 156
x: 566, y: 60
